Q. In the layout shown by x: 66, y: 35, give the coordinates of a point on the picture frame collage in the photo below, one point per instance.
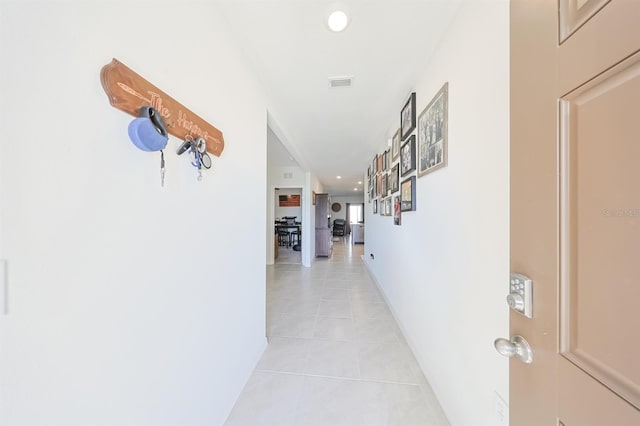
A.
x: 413, y: 154
x: 384, y: 178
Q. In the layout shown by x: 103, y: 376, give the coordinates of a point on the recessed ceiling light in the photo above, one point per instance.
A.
x: 338, y: 21
x: 355, y: 189
x: 359, y: 182
x: 338, y: 177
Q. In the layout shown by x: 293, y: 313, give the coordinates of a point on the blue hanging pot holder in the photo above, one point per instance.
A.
x: 148, y: 131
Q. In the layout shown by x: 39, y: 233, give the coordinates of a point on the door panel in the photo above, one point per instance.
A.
x: 575, y: 209
x: 609, y: 37
x: 582, y: 401
x: 574, y: 13
x: 600, y: 228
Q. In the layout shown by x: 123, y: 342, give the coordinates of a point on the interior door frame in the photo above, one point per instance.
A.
x: 271, y: 214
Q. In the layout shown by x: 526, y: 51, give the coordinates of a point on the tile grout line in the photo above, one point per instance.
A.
x: 350, y: 379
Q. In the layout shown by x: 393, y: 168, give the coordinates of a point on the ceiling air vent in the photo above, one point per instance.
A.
x: 335, y: 82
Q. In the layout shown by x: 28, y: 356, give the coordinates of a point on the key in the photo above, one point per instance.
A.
x: 162, y: 168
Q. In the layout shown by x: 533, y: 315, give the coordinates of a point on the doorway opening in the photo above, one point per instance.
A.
x: 356, y: 213
x: 287, y: 226
x: 355, y: 222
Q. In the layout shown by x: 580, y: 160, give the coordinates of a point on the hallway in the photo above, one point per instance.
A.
x: 336, y: 355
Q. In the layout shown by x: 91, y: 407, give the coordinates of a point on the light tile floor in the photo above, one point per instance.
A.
x: 336, y: 356
x: 288, y: 255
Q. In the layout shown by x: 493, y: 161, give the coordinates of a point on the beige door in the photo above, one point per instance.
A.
x: 575, y: 210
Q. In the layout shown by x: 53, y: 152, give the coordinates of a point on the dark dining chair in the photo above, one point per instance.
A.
x: 284, y: 237
x: 295, y: 236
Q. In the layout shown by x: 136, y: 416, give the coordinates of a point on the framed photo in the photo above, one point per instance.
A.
x: 408, y: 117
x: 432, y: 133
x: 387, y: 206
x: 395, y: 146
x: 394, y: 179
x: 291, y: 200
x: 313, y: 197
x: 379, y: 185
x: 374, y: 186
x: 374, y: 165
x: 408, y: 194
x: 380, y: 166
x: 375, y: 206
x: 385, y: 185
x: 408, y: 156
x: 397, y: 212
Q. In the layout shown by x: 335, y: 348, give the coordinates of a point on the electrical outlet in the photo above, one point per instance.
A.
x: 502, y: 411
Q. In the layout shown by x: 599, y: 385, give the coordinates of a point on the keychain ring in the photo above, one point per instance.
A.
x: 201, y: 145
x: 205, y: 160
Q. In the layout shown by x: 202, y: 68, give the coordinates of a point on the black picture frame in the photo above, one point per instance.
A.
x: 375, y: 206
x: 385, y: 184
x: 408, y: 156
x: 394, y: 178
x: 376, y: 186
x: 408, y: 117
x: 408, y: 194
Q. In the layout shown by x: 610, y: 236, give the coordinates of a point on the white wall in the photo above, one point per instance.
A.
x: 343, y: 200
x: 130, y: 304
x: 445, y: 270
x: 316, y: 186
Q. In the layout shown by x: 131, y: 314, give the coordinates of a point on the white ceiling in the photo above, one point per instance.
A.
x: 385, y: 48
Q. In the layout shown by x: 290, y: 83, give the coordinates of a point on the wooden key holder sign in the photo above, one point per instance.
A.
x: 128, y: 92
